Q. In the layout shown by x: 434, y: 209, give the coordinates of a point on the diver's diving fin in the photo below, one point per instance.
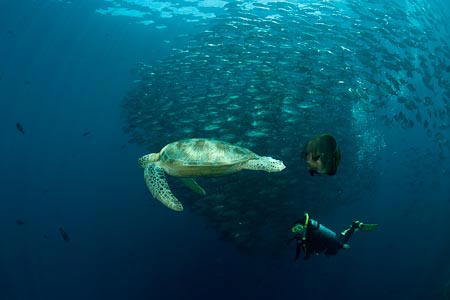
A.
x: 367, y: 227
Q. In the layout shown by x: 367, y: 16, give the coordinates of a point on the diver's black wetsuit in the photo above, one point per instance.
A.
x: 319, y: 238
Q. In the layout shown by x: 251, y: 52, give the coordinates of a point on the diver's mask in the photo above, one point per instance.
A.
x: 300, y: 229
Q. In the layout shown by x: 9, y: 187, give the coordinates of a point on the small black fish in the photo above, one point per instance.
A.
x: 45, y: 236
x: 64, y: 235
x: 20, y: 222
x: 20, y: 128
x: 86, y: 133
x: 27, y: 82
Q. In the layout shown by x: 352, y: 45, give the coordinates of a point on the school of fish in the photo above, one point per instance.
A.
x: 271, y: 75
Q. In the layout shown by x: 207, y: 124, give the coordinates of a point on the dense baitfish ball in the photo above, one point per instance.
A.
x: 264, y: 76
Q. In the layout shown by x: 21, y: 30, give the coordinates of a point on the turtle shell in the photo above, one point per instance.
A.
x: 203, y: 152
x: 203, y: 157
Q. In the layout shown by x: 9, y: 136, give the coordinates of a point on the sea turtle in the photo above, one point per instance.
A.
x: 198, y: 157
x: 322, y: 155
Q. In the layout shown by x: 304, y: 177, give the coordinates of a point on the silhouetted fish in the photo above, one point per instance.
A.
x: 64, y: 235
x: 86, y: 133
x: 322, y: 155
x: 20, y: 222
x: 20, y: 128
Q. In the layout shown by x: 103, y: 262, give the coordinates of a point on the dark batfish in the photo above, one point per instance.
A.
x: 20, y: 222
x: 20, y: 128
x: 64, y: 235
x: 322, y: 155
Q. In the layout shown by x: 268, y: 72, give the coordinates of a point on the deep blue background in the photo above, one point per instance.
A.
x: 64, y: 71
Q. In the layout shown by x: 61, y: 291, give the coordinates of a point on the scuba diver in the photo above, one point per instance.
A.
x: 314, y: 238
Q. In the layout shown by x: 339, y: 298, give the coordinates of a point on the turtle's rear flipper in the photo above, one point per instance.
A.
x: 193, y: 185
x: 367, y: 227
x: 155, y: 179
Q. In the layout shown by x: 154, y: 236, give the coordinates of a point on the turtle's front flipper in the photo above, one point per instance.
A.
x: 155, y: 179
x: 193, y: 185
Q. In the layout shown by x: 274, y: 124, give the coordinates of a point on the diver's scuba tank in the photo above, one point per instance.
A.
x: 309, y: 226
x: 321, y: 230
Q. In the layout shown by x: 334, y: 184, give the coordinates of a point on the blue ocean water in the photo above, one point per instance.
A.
x: 65, y: 69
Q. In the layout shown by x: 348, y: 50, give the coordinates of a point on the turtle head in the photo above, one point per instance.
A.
x: 149, y: 158
x: 277, y: 165
x: 271, y: 165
